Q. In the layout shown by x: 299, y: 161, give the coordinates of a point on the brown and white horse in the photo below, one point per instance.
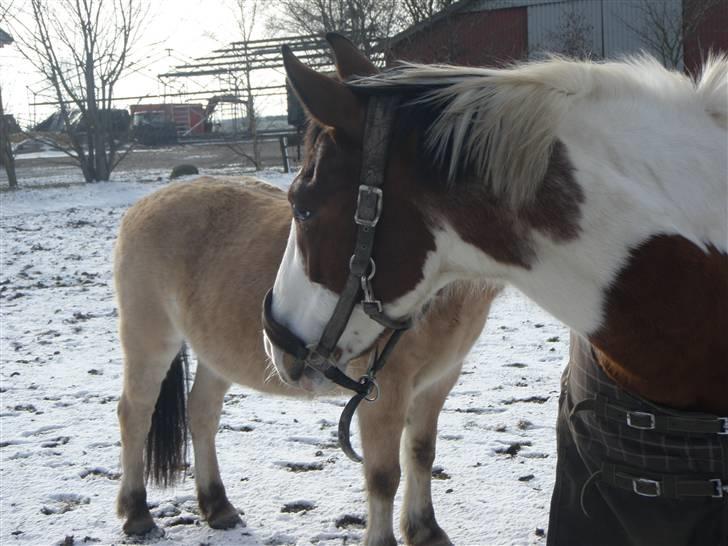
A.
x: 193, y: 262
x: 599, y: 190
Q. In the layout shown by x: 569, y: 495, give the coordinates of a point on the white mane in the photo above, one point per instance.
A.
x: 504, y: 121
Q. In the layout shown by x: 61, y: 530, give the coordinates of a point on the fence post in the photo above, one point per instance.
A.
x: 283, y: 141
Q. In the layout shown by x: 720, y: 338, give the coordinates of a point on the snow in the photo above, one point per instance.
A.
x: 61, y: 378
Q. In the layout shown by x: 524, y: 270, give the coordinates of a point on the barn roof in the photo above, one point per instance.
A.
x: 414, y: 29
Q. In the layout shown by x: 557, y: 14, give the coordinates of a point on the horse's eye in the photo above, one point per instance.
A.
x: 301, y: 214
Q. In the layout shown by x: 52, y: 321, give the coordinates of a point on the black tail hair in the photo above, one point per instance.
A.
x: 166, y: 449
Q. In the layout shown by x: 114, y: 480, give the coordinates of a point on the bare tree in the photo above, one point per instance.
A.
x: 365, y: 22
x: 7, y: 159
x: 664, y: 26
x: 246, y: 12
x: 82, y: 47
x: 573, y: 36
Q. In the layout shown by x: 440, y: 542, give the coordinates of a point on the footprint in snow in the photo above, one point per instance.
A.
x: 302, y: 467
x: 60, y: 503
x: 55, y: 442
x: 298, y: 506
x: 349, y: 521
x: 99, y: 471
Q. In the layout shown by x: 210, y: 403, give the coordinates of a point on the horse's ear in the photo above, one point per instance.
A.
x: 327, y: 100
x: 348, y: 59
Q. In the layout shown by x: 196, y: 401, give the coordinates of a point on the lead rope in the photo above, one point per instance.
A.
x: 376, y: 363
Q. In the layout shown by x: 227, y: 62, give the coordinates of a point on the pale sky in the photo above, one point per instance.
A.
x: 188, y: 28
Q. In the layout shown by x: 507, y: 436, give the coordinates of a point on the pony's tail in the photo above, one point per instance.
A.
x: 166, y: 448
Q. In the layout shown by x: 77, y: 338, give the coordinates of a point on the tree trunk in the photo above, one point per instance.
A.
x: 94, y: 124
x: 253, y: 123
x: 6, y: 152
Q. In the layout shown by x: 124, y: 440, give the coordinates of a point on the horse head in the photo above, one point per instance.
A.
x: 403, y: 271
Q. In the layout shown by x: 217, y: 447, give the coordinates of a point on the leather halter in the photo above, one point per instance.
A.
x: 362, y: 268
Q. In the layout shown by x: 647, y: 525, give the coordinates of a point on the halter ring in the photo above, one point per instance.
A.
x: 373, y: 388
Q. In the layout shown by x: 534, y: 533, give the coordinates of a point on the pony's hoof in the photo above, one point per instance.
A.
x: 429, y: 536
x: 217, y: 509
x: 141, y: 525
x: 388, y: 541
x: 440, y: 540
x: 226, y: 520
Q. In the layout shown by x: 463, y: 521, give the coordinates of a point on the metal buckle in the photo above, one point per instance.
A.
x: 720, y: 489
x: 640, y: 414
x: 723, y: 425
x: 364, y: 189
x: 316, y: 360
x: 637, y: 482
x: 374, y: 391
x: 366, y: 287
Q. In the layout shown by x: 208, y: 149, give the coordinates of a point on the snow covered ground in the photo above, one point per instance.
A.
x: 61, y: 377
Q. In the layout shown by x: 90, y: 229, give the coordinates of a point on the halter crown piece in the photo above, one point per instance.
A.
x: 362, y: 268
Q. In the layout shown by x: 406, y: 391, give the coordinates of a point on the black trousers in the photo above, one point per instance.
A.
x: 618, y: 517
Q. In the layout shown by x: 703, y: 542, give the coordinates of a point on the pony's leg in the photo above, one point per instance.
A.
x: 418, y: 515
x: 147, y: 359
x: 381, y: 423
x: 205, y: 405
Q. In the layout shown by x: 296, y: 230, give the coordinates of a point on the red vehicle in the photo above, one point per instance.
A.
x: 163, y: 123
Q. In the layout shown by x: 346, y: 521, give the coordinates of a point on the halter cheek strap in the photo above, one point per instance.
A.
x: 368, y: 211
x: 362, y: 267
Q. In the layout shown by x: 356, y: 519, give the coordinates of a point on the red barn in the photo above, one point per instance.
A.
x: 493, y: 32
x: 486, y: 37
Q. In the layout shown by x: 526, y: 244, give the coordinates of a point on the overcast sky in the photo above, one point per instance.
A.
x: 175, y: 31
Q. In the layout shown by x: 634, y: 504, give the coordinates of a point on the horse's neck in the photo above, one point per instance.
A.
x: 647, y: 277
x: 655, y: 305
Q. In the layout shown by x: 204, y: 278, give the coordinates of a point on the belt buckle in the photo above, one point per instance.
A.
x: 638, y: 482
x: 640, y: 414
x: 365, y: 189
x: 720, y: 489
x: 723, y: 426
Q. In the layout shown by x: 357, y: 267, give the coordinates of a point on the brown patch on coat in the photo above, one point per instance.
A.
x: 664, y: 336
x: 486, y: 222
x: 556, y: 209
x: 328, y: 187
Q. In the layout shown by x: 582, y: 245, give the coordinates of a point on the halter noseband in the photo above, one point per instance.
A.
x: 362, y: 268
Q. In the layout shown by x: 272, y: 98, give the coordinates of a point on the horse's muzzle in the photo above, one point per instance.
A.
x: 290, y: 343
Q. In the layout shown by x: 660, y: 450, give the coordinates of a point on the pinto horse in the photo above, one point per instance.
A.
x: 597, y: 189
x: 193, y: 261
